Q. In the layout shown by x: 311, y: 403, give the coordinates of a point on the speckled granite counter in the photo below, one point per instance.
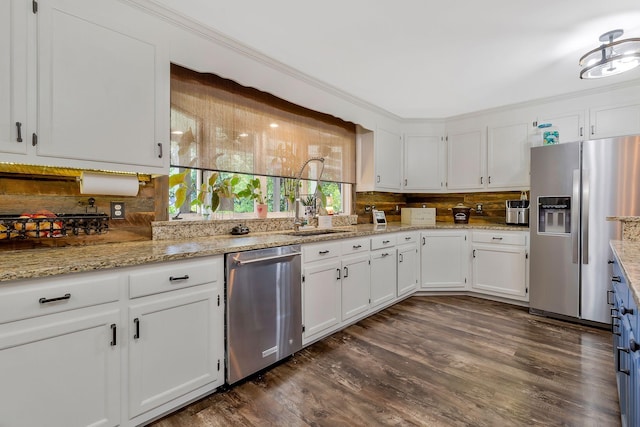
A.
x: 30, y: 264
x: 630, y: 227
x: 629, y: 255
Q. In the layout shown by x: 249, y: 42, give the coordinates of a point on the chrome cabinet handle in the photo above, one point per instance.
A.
x: 160, y: 150
x: 19, y: 127
x: 339, y: 272
x: 400, y: 258
x: 176, y: 279
x: 346, y: 272
x: 481, y: 180
x: 48, y: 300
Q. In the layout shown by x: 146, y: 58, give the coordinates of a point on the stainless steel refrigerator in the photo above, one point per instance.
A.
x: 574, y: 187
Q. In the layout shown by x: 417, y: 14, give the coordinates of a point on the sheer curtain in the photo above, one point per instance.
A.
x: 221, y: 125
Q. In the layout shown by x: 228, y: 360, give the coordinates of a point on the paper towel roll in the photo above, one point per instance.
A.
x: 113, y: 185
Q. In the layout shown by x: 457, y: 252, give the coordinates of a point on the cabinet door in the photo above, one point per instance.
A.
x: 356, y: 279
x: 466, y: 161
x: 383, y: 276
x: 13, y: 76
x: 321, y: 293
x: 500, y: 270
x: 176, y: 346
x: 100, y: 84
x: 423, y: 163
x: 407, y: 269
x: 444, y: 260
x: 61, y: 370
x: 570, y: 125
x: 388, y: 154
x: 615, y: 120
x: 508, y: 156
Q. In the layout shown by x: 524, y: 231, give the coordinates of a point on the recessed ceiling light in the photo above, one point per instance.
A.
x: 274, y: 125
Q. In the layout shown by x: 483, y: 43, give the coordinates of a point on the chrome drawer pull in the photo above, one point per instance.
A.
x: 175, y: 279
x: 496, y: 238
x: 47, y: 300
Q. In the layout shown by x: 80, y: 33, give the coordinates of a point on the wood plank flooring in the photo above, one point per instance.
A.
x: 430, y: 361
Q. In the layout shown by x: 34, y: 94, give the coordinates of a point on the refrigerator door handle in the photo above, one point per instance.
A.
x: 575, y: 214
x: 585, y: 216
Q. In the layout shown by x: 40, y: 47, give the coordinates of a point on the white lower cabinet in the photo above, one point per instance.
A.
x: 383, y: 276
x: 444, y: 260
x: 176, y: 340
x: 175, y: 346
x: 408, y: 263
x: 500, y: 264
x: 356, y: 278
x: 61, y: 365
x: 82, y: 353
x: 408, y: 269
x: 321, y: 294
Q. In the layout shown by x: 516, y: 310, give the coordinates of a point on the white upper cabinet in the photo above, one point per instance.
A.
x: 424, y: 163
x: 388, y: 147
x: 13, y: 76
x: 614, y: 120
x: 466, y: 163
x: 379, y: 160
x: 508, y: 156
x: 570, y: 126
x: 101, y: 86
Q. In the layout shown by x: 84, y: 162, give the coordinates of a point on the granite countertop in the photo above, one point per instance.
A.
x: 629, y: 255
x: 36, y: 263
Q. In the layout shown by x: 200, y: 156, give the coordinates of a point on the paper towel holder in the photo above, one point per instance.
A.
x: 100, y: 183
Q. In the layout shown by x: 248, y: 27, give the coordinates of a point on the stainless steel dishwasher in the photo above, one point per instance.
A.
x: 264, y: 313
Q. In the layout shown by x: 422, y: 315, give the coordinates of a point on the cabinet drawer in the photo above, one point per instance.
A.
x: 169, y: 276
x: 384, y: 241
x: 402, y: 238
x: 322, y: 250
x: 47, y: 296
x: 353, y: 246
x: 500, y: 238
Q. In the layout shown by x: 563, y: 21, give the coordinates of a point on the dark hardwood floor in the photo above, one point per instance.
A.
x: 431, y: 361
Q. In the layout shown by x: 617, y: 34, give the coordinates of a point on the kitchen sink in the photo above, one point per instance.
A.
x: 314, y: 232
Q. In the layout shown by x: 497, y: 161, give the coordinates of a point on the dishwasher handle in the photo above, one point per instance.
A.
x: 267, y: 258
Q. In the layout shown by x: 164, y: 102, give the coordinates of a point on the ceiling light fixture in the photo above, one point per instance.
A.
x: 273, y: 125
x: 612, y: 57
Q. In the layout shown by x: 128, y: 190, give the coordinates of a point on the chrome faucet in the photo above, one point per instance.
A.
x: 297, y: 222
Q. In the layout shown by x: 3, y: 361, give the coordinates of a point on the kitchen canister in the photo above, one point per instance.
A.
x: 461, y: 213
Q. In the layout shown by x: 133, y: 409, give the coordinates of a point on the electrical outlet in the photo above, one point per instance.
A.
x: 117, y: 210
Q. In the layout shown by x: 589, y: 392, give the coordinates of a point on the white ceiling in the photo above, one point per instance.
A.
x: 426, y: 58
